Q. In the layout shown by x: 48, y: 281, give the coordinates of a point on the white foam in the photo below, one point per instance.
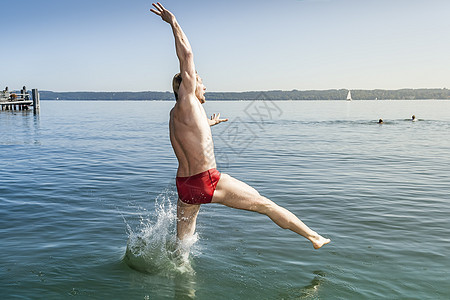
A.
x: 153, y: 248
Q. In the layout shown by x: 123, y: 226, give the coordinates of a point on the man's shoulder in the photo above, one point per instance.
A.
x: 182, y: 107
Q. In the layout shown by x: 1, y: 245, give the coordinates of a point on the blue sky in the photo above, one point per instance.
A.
x: 118, y: 45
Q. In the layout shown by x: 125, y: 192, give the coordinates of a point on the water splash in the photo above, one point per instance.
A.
x: 153, y: 247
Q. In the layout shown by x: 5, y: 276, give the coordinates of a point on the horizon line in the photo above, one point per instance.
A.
x: 252, y: 91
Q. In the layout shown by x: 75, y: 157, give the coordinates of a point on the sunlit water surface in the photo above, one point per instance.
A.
x: 88, y: 203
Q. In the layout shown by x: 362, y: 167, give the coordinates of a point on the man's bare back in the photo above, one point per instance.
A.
x: 198, y: 181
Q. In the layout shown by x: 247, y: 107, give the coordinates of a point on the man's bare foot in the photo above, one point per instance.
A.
x: 318, y: 241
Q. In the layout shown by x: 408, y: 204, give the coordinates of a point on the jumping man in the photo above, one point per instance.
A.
x: 198, y: 181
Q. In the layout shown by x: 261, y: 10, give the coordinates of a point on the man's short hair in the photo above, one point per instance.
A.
x: 176, y: 82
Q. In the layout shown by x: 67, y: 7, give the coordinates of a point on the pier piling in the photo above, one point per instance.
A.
x: 35, y: 95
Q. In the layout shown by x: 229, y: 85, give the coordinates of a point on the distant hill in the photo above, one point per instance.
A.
x: 402, y: 94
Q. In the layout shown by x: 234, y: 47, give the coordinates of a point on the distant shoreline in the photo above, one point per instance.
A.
x: 334, y: 94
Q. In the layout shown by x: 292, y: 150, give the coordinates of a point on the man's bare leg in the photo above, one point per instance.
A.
x: 186, y: 219
x: 237, y: 194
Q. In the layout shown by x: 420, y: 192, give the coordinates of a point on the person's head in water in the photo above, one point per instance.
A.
x: 413, y: 118
x: 380, y: 121
x: 199, y: 88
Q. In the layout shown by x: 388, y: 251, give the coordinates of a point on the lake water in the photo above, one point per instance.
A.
x: 82, y: 180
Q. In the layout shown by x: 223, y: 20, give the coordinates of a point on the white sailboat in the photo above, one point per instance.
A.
x: 349, y: 96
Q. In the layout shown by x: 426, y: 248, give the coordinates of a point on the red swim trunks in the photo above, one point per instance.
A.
x: 198, y: 188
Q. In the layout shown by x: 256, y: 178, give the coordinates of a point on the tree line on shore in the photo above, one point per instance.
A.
x: 335, y: 94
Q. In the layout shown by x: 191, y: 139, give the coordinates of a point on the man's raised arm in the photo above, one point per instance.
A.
x: 183, y: 48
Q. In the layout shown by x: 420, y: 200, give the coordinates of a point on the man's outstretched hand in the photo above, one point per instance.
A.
x: 215, y: 120
x: 163, y: 13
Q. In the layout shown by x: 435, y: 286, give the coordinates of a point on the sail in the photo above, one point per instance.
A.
x: 349, y: 96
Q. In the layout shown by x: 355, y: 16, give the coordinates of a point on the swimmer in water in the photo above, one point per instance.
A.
x: 380, y: 121
x: 198, y: 181
x: 413, y: 118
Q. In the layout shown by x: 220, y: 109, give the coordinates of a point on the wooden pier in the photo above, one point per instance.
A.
x: 13, y: 101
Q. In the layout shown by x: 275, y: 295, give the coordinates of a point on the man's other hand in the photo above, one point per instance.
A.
x: 215, y: 119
